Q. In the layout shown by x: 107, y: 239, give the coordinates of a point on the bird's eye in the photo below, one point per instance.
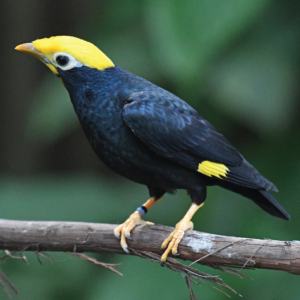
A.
x: 62, y: 60
x: 65, y: 61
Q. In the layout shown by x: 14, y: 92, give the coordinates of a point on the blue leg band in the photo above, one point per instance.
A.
x: 142, y: 209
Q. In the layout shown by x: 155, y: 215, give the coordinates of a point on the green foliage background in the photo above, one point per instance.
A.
x: 235, y: 61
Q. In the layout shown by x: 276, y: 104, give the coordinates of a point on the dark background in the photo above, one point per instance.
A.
x: 235, y: 61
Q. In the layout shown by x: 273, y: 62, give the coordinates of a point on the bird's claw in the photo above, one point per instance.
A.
x: 125, y: 229
x: 172, y: 242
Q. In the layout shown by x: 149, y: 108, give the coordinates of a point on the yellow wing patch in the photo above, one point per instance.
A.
x: 209, y: 168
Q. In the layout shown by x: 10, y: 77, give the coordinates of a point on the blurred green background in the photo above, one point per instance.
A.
x: 236, y: 61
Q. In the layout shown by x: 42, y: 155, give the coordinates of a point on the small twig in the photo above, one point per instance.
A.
x: 188, y: 273
x: 231, y: 271
x: 4, y: 281
x: 23, y: 257
x: 245, y: 264
x: 46, y: 256
x: 188, y: 282
x: 96, y: 262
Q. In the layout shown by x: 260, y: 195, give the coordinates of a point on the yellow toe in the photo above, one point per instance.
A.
x: 124, y: 230
x: 172, y: 242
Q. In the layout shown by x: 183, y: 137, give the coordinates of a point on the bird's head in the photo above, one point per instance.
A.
x: 63, y: 53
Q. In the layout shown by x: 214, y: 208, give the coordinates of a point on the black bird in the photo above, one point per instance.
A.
x: 149, y: 135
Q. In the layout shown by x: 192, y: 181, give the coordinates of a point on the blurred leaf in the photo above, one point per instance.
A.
x: 52, y: 114
x: 255, y: 85
x: 186, y: 34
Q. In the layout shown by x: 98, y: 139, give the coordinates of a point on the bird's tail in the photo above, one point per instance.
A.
x: 263, y: 199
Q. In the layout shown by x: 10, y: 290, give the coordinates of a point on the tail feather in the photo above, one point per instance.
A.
x: 262, y: 198
x: 247, y: 176
x: 265, y: 201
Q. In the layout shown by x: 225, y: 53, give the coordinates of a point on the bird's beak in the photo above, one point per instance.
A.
x: 28, y: 48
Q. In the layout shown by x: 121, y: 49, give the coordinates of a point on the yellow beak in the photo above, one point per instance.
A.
x: 28, y: 48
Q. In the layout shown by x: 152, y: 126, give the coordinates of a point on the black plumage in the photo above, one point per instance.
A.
x: 152, y: 137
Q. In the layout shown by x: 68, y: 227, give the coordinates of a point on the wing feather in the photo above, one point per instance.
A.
x: 174, y: 130
x: 178, y: 134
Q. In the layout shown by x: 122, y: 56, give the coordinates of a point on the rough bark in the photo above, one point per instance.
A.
x: 204, y: 248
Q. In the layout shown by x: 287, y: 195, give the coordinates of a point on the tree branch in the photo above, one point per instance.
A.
x: 203, y: 248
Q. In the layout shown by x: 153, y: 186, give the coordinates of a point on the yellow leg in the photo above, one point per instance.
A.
x: 134, y: 220
x: 175, y: 237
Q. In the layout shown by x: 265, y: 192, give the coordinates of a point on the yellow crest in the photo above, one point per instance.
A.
x: 83, y: 51
x: 209, y: 168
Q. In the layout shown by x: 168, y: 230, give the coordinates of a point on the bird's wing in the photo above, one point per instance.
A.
x: 174, y: 130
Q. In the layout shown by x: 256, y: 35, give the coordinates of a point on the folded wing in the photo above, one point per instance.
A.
x: 174, y: 130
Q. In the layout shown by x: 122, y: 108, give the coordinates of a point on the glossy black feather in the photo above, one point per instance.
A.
x: 262, y: 198
x: 152, y: 137
x: 178, y: 132
x: 184, y: 137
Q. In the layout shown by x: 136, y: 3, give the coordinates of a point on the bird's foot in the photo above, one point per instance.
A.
x: 175, y: 237
x: 125, y: 228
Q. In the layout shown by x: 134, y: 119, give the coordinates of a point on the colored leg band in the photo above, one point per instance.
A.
x: 142, y: 209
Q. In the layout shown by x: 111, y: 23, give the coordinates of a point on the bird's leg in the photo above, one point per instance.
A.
x: 134, y: 220
x: 175, y: 237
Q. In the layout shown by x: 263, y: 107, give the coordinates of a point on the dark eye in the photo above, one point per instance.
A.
x: 62, y: 60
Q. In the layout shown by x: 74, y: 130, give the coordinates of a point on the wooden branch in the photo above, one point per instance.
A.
x: 203, y: 248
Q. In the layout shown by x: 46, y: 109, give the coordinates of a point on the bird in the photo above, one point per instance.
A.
x: 149, y: 135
